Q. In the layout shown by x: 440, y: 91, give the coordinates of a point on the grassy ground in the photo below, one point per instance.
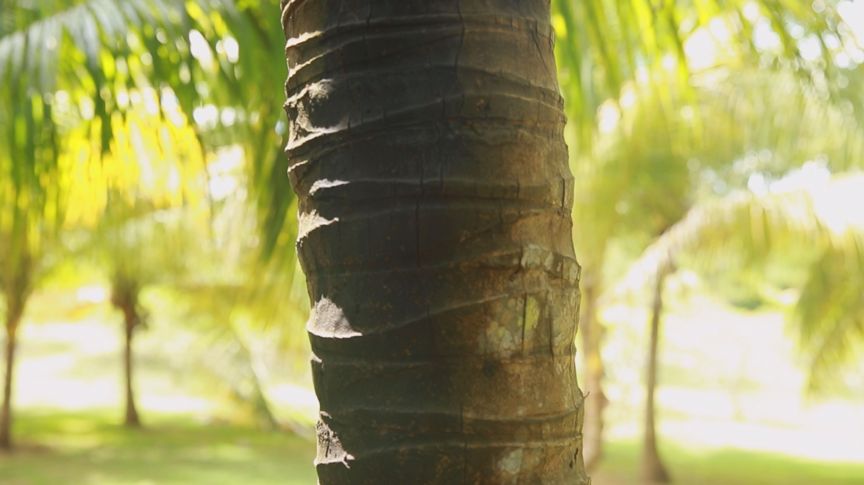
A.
x: 731, y: 411
x: 89, y: 448
x: 726, y: 467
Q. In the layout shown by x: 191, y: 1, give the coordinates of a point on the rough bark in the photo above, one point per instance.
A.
x: 653, y: 470
x: 427, y: 153
x: 592, y: 364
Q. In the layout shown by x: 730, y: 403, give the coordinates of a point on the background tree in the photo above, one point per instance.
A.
x: 759, y: 225
x: 30, y: 204
x: 69, y: 74
x: 613, y: 52
x: 680, y: 166
x: 652, y: 468
x: 792, y: 211
x: 139, y: 247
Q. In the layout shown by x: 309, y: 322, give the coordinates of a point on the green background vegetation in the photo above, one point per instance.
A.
x: 140, y: 156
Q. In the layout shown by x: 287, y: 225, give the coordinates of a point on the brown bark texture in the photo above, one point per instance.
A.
x: 427, y: 153
x: 653, y: 470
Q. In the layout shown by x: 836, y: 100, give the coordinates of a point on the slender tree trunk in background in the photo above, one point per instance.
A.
x: 592, y: 363
x: 8, y: 381
x: 124, y: 297
x: 653, y: 470
x: 427, y: 153
x: 131, y: 320
x: 13, y: 320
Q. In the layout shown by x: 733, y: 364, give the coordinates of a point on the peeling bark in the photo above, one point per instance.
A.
x: 427, y: 153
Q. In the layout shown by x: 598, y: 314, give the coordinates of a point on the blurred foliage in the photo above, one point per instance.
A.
x: 605, y: 45
x: 104, y: 60
x: 800, y: 214
x: 674, y: 105
x: 115, y: 118
x: 146, y: 136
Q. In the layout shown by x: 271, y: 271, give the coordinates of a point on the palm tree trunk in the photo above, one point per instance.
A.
x: 14, y: 318
x: 595, y: 399
x: 653, y: 470
x: 131, y: 319
x: 427, y: 153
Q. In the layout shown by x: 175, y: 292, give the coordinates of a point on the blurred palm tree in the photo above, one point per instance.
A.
x: 140, y: 243
x: 639, y: 175
x: 70, y: 73
x: 807, y: 208
x: 829, y: 312
x: 138, y: 252
x: 741, y: 132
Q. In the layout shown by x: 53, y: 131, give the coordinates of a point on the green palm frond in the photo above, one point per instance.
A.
x: 99, y: 53
x: 761, y: 222
x: 604, y: 45
x: 666, y: 152
x: 829, y: 314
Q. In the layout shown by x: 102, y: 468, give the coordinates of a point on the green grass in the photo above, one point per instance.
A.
x: 68, y: 405
x: 93, y: 449
x: 725, y: 467
x: 90, y: 448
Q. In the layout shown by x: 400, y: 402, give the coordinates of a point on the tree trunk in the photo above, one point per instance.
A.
x: 653, y: 470
x: 427, y: 153
x: 13, y: 320
x: 592, y: 363
x: 131, y: 321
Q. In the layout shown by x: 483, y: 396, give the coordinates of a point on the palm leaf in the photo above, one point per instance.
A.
x: 829, y: 315
x: 140, y: 45
x: 603, y: 45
